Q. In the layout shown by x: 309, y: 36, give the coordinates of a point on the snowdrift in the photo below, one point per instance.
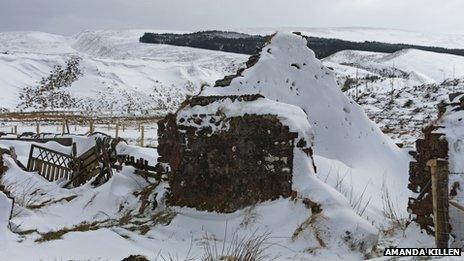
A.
x: 329, y: 222
x: 367, y: 160
x: 5, y: 212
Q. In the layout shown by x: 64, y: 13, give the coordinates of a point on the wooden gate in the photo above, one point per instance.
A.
x: 50, y: 164
x: 88, y: 167
x: 55, y: 165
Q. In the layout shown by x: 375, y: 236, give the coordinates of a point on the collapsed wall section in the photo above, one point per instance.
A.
x: 443, y: 139
x: 432, y: 146
x: 219, y: 159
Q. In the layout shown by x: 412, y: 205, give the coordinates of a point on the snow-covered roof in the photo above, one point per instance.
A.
x: 289, y: 115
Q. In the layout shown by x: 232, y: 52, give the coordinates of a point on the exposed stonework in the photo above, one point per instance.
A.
x: 220, y: 163
x: 434, y: 145
x: 251, y: 61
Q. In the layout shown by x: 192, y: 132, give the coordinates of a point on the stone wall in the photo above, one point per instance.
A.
x: 248, y: 162
x: 433, y: 146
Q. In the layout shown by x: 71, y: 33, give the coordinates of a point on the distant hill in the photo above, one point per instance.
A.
x: 246, y: 44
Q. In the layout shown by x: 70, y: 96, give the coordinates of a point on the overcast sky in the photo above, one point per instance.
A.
x: 71, y: 16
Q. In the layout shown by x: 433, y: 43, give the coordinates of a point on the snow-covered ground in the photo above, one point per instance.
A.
x: 355, y: 161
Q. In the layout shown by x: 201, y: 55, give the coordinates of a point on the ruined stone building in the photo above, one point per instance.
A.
x: 443, y: 139
x: 226, y: 153
x: 240, y: 147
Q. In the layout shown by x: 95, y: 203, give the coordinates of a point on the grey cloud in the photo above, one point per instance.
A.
x: 71, y: 16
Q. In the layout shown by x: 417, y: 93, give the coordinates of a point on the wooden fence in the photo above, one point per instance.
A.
x: 97, y: 162
x: 50, y: 164
x: 55, y: 165
x: 86, y: 166
x: 79, y: 116
x: 140, y: 164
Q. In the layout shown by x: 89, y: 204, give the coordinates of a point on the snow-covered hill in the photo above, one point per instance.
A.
x: 351, y: 154
x: 399, y: 91
x: 119, y: 74
x: 361, y: 34
x: 123, y: 76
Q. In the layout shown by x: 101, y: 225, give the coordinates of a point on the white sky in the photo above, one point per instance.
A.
x: 72, y: 16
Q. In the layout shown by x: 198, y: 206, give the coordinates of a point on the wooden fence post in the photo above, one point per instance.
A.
x: 74, y: 149
x: 91, y: 127
x: 15, y: 130
x: 142, y: 135
x: 439, y: 172
x: 37, y: 128
x: 117, y: 130
x: 66, y: 122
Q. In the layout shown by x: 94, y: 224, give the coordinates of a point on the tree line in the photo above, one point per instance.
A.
x: 247, y: 44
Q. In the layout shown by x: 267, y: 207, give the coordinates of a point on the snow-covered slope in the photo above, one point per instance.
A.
x: 361, y: 34
x: 428, y: 66
x: 398, y: 91
x: 34, y: 42
x: 118, y: 73
x: 287, y: 71
x: 5, y: 212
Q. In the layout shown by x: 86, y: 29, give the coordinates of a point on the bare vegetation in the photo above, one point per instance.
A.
x: 392, y: 213
x: 26, y: 195
x: 359, y: 202
x: 248, y: 248
x: 51, y: 93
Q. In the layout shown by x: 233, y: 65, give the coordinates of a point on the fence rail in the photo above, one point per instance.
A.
x: 59, y: 116
x: 54, y: 165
